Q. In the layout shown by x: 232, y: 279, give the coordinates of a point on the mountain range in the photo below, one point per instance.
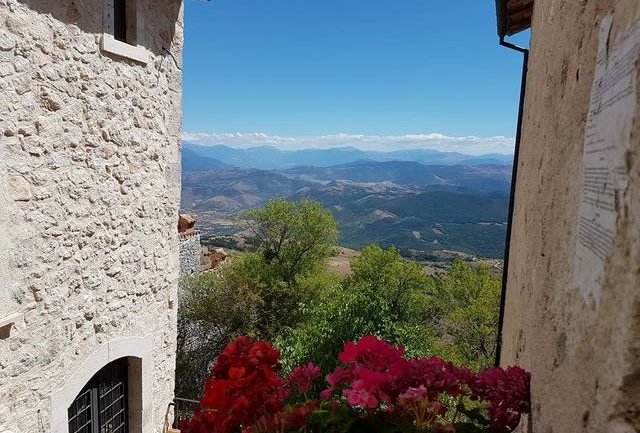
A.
x: 481, y: 178
x: 272, y: 158
x: 421, y: 209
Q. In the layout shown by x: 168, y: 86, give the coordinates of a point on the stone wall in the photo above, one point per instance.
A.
x: 89, y: 155
x: 189, y: 255
x: 6, y: 302
x: 584, y: 356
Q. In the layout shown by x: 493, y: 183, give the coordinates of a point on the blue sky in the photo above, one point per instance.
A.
x: 373, y: 74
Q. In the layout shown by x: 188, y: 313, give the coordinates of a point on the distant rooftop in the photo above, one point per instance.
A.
x: 514, y: 16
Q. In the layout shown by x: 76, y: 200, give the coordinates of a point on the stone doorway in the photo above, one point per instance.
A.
x: 102, y: 405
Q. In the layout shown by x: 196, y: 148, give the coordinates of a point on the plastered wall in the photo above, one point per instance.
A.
x: 584, y: 356
x: 89, y: 143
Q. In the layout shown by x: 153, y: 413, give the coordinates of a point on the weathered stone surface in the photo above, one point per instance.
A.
x: 584, y: 357
x: 19, y: 188
x: 88, y: 211
x: 189, y: 256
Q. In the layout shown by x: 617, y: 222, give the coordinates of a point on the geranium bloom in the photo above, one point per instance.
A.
x: 367, y: 389
x: 290, y: 418
x: 243, y: 388
x: 436, y: 375
x: 371, y: 352
x: 302, y: 378
x: 425, y: 410
x: 245, y: 394
x: 297, y: 417
x: 371, y: 366
x: 507, y: 392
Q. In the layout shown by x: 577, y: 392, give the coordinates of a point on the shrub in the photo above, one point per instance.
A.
x: 258, y: 293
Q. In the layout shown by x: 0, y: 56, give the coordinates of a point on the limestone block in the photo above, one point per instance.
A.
x: 19, y: 188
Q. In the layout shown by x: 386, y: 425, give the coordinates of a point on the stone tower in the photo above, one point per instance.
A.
x: 90, y: 120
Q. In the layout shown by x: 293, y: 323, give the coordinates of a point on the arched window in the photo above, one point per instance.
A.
x: 102, y: 405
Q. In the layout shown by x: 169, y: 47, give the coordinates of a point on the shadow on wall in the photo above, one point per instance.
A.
x: 159, y: 18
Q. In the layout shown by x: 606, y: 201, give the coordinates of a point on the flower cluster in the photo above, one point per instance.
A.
x: 426, y: 410
x: 375, y: 384
x: 437, y: 375
x: 289, y: 418
x: 371, y: 368
x: 302, y: 378
x: 243, y: 389
x: 507, y: 392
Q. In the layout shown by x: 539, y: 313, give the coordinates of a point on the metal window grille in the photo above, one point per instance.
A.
x: 101, y: 406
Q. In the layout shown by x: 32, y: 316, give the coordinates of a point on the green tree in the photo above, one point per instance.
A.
x: 292, y: 237
x: 257, y: 293
x: 212, y: 311
x: 400, y: 282
x: 453, y: 316
x: 378, y: 299
x: 467, y: 303
x: 335, y: 317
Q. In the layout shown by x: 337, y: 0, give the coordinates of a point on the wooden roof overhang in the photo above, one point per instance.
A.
x: 514, y: 16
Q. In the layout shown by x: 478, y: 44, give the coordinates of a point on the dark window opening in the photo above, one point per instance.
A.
x: 120, y: 20
x: 102, y: 406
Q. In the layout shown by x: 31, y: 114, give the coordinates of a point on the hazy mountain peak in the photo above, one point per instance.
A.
x: 269, y: 157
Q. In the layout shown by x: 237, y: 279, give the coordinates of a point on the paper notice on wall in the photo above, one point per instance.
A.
x: 607, y: 141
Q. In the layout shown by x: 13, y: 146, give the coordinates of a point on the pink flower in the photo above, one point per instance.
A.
x: 339, y: 376
x: 425, y: 410
x: 367, y: 389
x: 326, y: 394
x: 418, y: 393
x: 302, y: 378
x: 436, y: 375
x: 371, y: 367
x: 361, y: 396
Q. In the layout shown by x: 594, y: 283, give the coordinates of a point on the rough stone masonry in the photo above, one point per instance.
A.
x: 89, y: 173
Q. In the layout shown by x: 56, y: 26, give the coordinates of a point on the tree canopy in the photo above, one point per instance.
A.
x: 292, y: 237
x: 281, y: 291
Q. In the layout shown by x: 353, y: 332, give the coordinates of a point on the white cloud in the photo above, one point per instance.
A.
x: 470, y: 145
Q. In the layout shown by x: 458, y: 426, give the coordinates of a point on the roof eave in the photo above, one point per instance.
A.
x: 513, y: 16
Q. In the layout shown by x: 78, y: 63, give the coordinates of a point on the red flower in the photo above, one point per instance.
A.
x: 245, y: 394
x: 436, y: 375
x: 372, y: 365
x: 371, y: 352
x: 507, y: 392
x: 244, y: 387
x: 296, y: 418
x: 290, y: 417
x: 302, y: 378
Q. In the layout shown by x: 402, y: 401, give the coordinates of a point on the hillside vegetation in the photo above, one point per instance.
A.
x: 281, y: 290
x: 422, y: 210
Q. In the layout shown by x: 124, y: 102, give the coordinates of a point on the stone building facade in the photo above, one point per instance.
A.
x: 90, y: 120
x: 189, y: 248
x: 189, y: 255
x: 572, y: 313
